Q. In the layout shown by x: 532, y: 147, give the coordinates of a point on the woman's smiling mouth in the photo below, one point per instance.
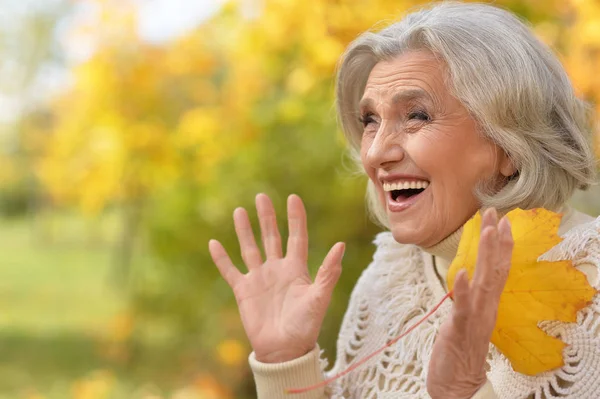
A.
x: 404, y: 193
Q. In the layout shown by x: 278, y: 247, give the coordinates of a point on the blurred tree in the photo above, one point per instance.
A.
x: 178, y: 135
x: 28, y: 51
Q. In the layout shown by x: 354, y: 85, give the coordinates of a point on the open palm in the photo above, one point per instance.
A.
x: 282, y: 309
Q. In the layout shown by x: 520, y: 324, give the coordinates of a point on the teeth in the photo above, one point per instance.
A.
x: 405, y: 185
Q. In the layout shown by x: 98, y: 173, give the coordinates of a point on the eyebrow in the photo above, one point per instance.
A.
x: 403, y: 96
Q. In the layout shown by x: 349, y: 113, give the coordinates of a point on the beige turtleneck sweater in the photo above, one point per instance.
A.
x: 401, y: 284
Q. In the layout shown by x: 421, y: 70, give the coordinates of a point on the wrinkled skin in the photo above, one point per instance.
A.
x: 414, y: 126
x: 282, y: 309
x: 457, y: 365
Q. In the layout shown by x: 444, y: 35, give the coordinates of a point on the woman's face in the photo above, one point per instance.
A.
x: 422, y: 149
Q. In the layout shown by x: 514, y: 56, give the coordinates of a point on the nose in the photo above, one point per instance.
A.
x: 386, y: 149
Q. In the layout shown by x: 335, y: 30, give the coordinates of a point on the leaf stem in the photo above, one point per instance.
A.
x: 370, y: 356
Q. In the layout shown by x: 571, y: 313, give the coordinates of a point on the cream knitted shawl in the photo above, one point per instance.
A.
x: 398, y: 288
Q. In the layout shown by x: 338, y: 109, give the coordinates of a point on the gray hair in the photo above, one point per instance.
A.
x: 509, y: 81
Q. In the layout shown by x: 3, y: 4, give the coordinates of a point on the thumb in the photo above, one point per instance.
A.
x: 331, y: 269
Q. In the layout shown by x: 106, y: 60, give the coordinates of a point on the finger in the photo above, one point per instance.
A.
x: 243, y: 229
x: 228, y: 271
x: 485, y: 284
x: 505, y: 234
x: 483, y: 287
x: 331, y: 269
x: 462, y: 303
x: 297, y: 246
x: 506, y: 244
x: 268, y: 227
x: 488, y: 247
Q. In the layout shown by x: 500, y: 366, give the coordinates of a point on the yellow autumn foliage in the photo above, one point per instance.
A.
x: 98, y: 384
x: 139, y: 115
x: 232, y: 353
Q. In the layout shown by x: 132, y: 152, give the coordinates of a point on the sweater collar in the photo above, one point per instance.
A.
x: 446, y: 249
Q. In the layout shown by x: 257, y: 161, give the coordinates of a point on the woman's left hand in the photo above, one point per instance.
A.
x: 458, y: 359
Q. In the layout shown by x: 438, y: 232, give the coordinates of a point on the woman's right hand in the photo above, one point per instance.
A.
x: 282, y: 309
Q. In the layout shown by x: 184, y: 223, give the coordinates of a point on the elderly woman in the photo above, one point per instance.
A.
x: 454, y: 109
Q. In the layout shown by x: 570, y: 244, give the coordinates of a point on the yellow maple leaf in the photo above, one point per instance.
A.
x: 535, y: 290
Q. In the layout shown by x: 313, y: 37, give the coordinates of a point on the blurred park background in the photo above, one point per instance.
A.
x: 130, y: 130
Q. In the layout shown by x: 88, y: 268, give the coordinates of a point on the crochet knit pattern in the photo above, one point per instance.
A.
x: 401, y: 285
x: 397, y: 289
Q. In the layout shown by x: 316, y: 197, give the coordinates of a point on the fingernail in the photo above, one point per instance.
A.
x: 494, y: 213
x: 490, y: 214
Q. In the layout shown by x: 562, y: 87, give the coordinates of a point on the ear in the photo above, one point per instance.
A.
x: 507, y: 168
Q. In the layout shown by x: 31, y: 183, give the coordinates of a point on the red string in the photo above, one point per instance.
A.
x: 366, y: 359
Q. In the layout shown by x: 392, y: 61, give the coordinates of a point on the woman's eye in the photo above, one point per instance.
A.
x: 419, y: 115
x: 366, y: 120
